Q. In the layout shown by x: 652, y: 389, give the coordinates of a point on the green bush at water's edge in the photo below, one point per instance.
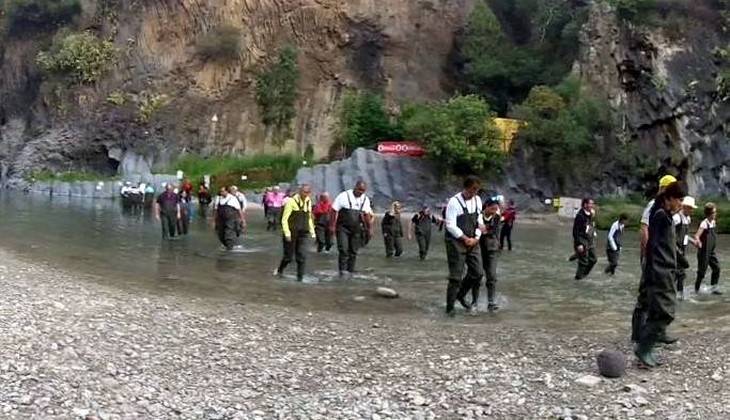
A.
x: 68, y: 176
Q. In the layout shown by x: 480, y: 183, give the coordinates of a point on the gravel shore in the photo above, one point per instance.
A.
x: 74, y: 348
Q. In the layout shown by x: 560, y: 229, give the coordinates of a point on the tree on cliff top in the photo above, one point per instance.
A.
x: 276, y: 92
x: 363, y: 121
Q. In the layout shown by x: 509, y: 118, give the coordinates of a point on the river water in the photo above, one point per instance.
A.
x: 536, y: 286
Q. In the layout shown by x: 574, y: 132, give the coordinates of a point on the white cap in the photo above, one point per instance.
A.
x: 689, y: 202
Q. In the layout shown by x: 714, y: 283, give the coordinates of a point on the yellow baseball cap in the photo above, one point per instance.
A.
x: 666, y: 181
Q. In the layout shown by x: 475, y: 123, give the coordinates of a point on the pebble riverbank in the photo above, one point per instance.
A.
x: 75, y: 349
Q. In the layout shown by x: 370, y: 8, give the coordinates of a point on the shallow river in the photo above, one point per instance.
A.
x: 536, y: 285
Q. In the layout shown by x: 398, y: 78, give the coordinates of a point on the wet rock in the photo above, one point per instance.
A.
x: 611, y: 364
x: 634, y: 389
x: 386, y: 292
x: 589, y: 380
x: 641, y: 401
x: 358, y: 298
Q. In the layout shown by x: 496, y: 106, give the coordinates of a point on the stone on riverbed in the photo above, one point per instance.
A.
x: 386, y: 292
x: 611, y: 364
x: 589, y: 380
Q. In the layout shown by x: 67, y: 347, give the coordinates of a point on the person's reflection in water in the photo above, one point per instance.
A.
x: 226, y: 269
x: 170, y: 262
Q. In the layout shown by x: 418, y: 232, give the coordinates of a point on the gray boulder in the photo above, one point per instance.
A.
x: 611, y: 364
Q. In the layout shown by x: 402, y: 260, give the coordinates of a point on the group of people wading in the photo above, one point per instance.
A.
x: 664, y: 241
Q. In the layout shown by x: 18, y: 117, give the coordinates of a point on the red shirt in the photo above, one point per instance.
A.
x: 509, y: 216
x: 187, y: 186
x: 322, y: 208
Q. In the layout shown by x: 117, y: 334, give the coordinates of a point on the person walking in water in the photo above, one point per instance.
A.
x: 682, y: 220
x: 462, y: 243
x: 614, y: 243
x: 659, y: 274
x: 204, y: 200
x: 491, y: 222
x: 508, y: 221
x: 584, y: 234
x: 228, y: 218
x: 167, y: 211
x: 297, y: 224
x: 183, y: 223
x: 322, y: 212
x: 642, y: 304
x: 421, y: 225
x: 352, y: 223
x: 393, y: 231
x: 241, y: 197
x: 706, y: 238
x: 274, y: 204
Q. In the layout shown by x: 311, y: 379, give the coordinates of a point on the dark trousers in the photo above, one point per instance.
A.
x: 393, y: 245
x: 294, y: 249
x: 183, y: 224
x: 662, y: 299
x: 226, y: 229
x: 273, y: 218
x: 348, y: 243
x: 612, y: 257
x: 505, y: 233
x: 705, y: 260
x: 424, y: 242
x: 324, y: 238
x: 586, y: 261
x: 638, y: 319
x: 169, y: 224
x: 465, y: 269
x: 681, y: 277
x: 489, y: 263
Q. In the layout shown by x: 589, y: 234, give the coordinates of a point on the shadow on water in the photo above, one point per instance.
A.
x: 124, y: 249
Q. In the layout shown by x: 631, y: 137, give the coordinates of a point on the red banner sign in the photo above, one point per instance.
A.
x: 401, y: 148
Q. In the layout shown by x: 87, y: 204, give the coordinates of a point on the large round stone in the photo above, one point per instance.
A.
x: 611, y: 364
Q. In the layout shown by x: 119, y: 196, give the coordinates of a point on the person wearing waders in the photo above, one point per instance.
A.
x: 491, y: 221
x: 241, y: 197
x: 614, y: 243
x: 640, y: 310
x: 462, y: 243
x: 297, y: 225
x: 322, y: 212
x: 392, y: 231
x: 167, y: 211
x: 682, y: 221
x: 183, y: 223
x: 706, y: 238
x: 228, y: 216
x: 274, y: 203
x: 584, y: 235
x: 204, y: 200
x: 508, y: 221
x: 351, y: 223
x: 659, y: 272
x: 421, y: 225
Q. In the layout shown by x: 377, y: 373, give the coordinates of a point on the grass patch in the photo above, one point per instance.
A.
x: 68, y: 176
x: 261, y: 170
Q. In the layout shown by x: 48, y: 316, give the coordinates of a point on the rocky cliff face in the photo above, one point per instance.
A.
x: 398, y: 47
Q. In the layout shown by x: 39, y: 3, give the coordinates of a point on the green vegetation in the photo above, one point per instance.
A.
x: 723, y: 84
x: 261, y: 170
x: 633, y: 10
x: 117, y: 98
x: 363, y: 121
x: 81, y: 56
x: 518, y: 44
x: 276, y: 92
x: 67, y: 176
x: 149, y: 104
x: 561, y: 126
x: 459, y: 134
x: 28, y: 16
x: 221, y: 44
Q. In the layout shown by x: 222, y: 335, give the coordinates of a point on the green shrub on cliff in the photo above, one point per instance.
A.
x: 459, y: 134
x: 261, y: 170
x: 24, y: 16
x: 363, y: 121
x: 81, y: 56
x: 276, y: 91
x: 220, y: 44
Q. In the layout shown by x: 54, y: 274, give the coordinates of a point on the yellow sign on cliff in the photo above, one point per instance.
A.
x: 508, y: 128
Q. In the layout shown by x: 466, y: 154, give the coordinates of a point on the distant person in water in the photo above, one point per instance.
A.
x: 352, y: 223
x: 509, y: 215
x: 204, y: 200
x: 322, y: 213
x: 614, y: 243
x: 660, y: 274
x: 228, y: 218
x: 187, y: 187
x: 491, y: 225
x: 297, y: 225
x: 183, y: 223
x: 462, y: 243
x: 706, y: 238
x: 584, y: 239
x: 241, y: 197
x: 167, y: 211
x: 265, y: 201
x: 274, y: 203
x: 682, y: 221
x: 393, y: 231
x: 421, y: 226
